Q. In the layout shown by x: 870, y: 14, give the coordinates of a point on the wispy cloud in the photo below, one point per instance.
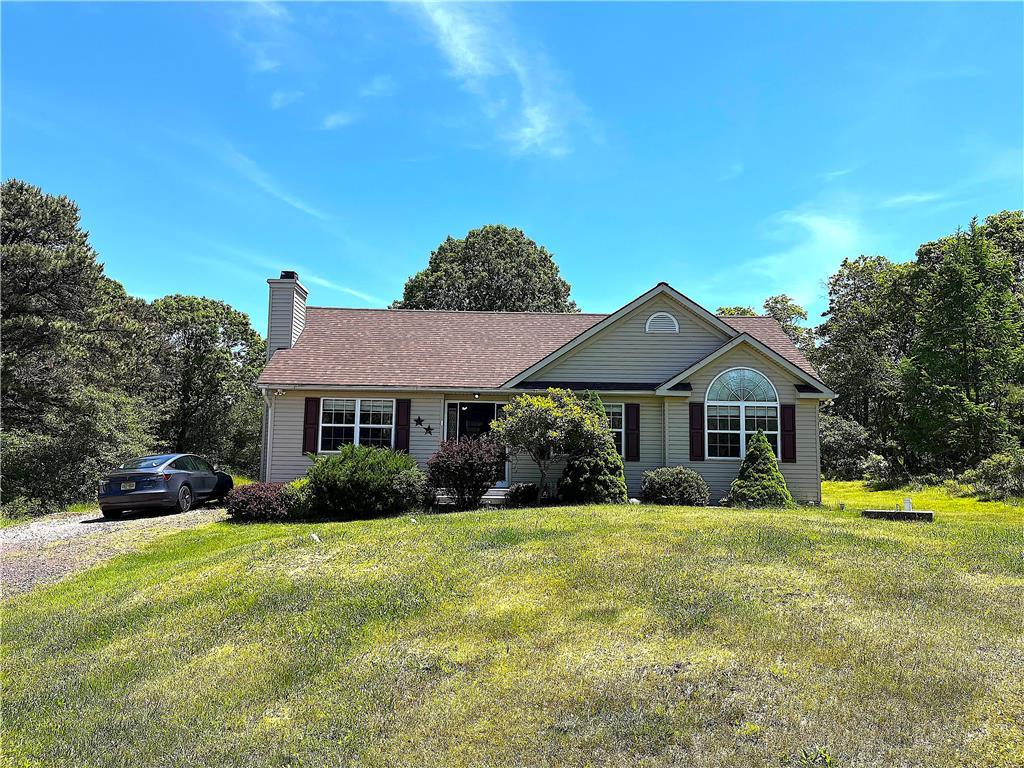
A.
x: 306, y: 274
x: 837, y: 174
x: 281, y: 99
x: 248, y: 169
x: 734, y: 171
x: 377, y: 87
x: 337, y: 120
x: 520, y: 92
x: 262, y: 31
x: 913, y: 198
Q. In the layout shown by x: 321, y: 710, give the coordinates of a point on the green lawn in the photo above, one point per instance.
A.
x: 604, y: 636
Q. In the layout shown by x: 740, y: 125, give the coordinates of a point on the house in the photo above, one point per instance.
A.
x: 681, y: 386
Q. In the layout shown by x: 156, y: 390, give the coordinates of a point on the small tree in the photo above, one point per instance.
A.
x: 760, y: 482
x: 598, y: 476
x: 548, y: 428
x: 466, y: 468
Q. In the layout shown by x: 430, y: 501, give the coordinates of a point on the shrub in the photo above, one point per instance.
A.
x: 20, y: 507
x: 594, y: 473
x: 674, y: 485
x: 466, y: 469
x: 998, y: 476
x: 878, y: 473
x: 549, y: 427
x: 760, y: 482
x: 258, y: 502
x: 296, y: 498
x: 844, y: 447
x: 362, y: 482
x: 522, y: 495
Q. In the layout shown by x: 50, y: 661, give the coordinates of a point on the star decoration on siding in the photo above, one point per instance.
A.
x: 418, y: 421
x: 428, y: 430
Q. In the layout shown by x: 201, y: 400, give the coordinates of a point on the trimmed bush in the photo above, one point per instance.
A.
x: 257, y: 502
x: 466, y: 469
x: 597, y: 478
x: 296, y: 497
x: 674, y: 485
x: 594, y: 474
x: 998, y: 476
x: 522, y: 495
x: 361, y: 482
x: 760, y: 482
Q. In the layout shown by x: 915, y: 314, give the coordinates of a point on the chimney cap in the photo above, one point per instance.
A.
x: 288, y: 274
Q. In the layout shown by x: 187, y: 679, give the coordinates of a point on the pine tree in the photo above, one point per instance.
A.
x: 760, y: 482
x: 596, y: 476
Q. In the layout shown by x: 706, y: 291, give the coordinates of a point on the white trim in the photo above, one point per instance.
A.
x: 658, y: 316
x: 445, y: 390
x: 743, y: 417
x: 355, y: 431
x: 746, y: 338
x: 659, y: 289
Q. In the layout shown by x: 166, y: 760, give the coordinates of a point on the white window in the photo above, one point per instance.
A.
x: 616, y: 421
x: 346, y: 421
x: 662, y: 322
x: 740, y: 401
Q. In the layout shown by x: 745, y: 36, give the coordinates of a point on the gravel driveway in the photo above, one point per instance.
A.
x: 50, y: 548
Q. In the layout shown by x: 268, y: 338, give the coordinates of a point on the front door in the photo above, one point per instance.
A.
x: 473, y: 419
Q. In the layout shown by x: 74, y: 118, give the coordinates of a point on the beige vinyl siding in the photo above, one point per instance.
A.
x: 803, y: 476
x: 282, y: 317
x: 286, y: 459
x: 625, y: 352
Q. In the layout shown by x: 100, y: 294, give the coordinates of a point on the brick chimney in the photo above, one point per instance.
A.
x: 287, y: 315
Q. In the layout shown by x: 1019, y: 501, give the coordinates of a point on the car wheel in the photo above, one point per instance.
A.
x: 184, y: 503
x: 111, y: 514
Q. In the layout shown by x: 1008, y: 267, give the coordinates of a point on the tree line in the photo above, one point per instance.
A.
x: 90, y: 375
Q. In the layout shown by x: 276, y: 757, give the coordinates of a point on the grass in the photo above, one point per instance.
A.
x: 601, y: 636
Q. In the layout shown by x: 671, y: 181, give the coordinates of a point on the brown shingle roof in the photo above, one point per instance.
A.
x: 768, y: 331
x: 417, y: 348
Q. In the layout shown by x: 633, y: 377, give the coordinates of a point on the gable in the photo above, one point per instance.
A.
x: 628, y: 351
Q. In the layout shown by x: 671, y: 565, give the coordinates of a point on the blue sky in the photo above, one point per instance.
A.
x: 733, y: 150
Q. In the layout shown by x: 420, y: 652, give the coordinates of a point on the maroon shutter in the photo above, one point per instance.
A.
x: 632, y: 432
x: 696, y: 431
x: 311, y: 425
x: 402, y: 424
x: 789, y: 433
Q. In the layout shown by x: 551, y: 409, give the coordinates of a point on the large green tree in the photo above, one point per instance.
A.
x: 494, y: 268
x: 77, y: 358
x: 961, y: 377
x: 211, y: 357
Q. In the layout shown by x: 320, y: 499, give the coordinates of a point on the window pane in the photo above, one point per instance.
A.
x: 614, y: 414
x: 724, y: 444
x: 337, y: 411
x: 377, y: 412
x: 774, y: 440
x: 379, y: 437
x: 618, y: 437
x: 452, y: 426
x: 332, y: 438
x: 742, y: 384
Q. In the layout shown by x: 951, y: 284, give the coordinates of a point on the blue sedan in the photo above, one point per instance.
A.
x: 171, y: 481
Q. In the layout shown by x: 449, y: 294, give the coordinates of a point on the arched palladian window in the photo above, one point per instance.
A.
x: 740, y: 401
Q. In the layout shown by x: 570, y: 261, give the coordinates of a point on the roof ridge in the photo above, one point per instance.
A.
x: 458, y: 311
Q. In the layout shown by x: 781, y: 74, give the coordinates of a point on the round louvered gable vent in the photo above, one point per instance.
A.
x: 662, y: 322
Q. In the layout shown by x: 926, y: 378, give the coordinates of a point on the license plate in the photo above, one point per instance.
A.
x: 127, y: 486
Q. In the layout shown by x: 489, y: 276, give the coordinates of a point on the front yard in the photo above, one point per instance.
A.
x: 617, y: 636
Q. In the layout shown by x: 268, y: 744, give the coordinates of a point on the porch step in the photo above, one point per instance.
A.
x: 495, y: 497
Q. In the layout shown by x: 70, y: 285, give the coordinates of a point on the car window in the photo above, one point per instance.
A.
x: 145, y: 462
x: 182, y: 463
x: 201, y: 465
